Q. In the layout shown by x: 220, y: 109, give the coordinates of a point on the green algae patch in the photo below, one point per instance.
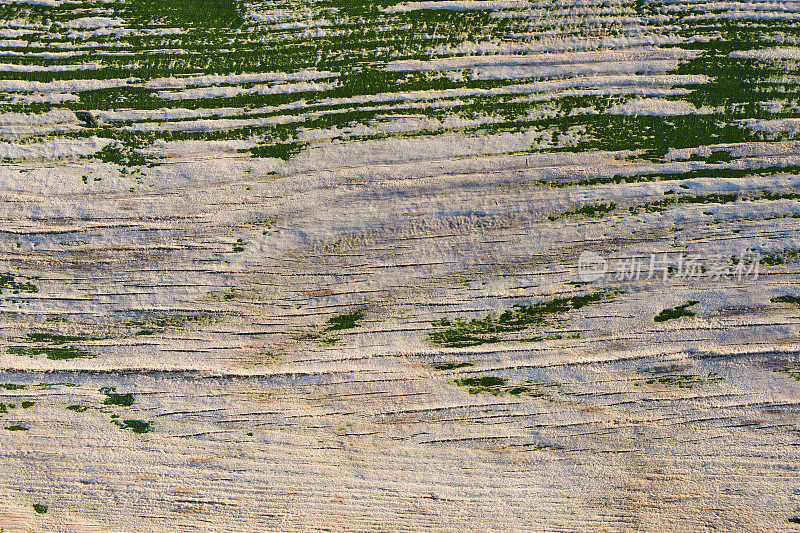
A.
x: 121, y: 155
x: 347, y: 321
x: 112, y: 398
x: 155, y: 324
x: 452, y: 366
x: 52, y: 338
x: 780, y: 257
x: 650, y: 176
x: 787, y: 299
x: 681, y: 381
x: 461, y: 333
x: 53, y: 346
x: 335, y: 323
x: 675, y: 312
x: 201, y: 14
x: 662, y: 205
x: 485, y: 381
x: 283, y: 151
x: 54, y: 386
x: 9, y: 282
x: 497, y: 386
x: 54, y: 353
x: 793, y: 373
x: 137, y: 426
x: 16, y: 428
x: 590, y: 211
x: 39, y: 508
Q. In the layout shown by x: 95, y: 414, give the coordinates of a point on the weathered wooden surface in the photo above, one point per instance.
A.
x: 200, y: 199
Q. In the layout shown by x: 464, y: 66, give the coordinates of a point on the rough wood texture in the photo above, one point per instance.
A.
x: 313, y: 266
